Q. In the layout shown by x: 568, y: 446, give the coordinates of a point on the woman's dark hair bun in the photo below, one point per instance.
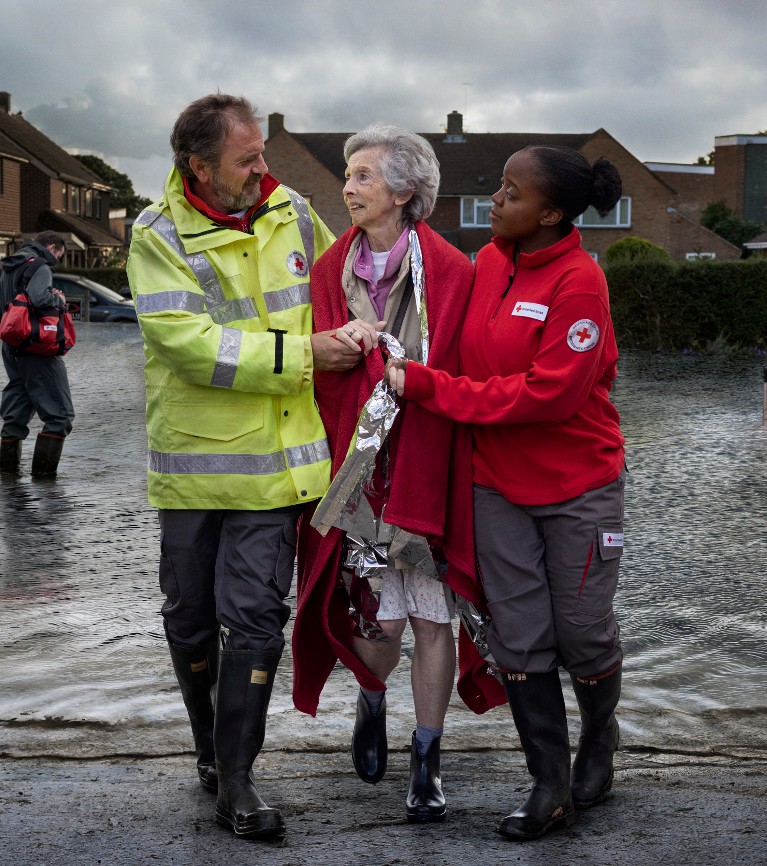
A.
x: 607, y: 188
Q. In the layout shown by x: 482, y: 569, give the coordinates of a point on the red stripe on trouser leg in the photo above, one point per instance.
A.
x: 586, y: 568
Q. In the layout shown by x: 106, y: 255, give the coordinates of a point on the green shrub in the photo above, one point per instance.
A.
x: 635, y: 249
x: 690, y: 305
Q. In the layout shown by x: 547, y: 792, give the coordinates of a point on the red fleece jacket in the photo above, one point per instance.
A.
x: 431, y: 482
x: 538, y: 358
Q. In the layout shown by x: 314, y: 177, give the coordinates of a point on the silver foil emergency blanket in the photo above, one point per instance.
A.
x: 477, y: 625
x: 370, y: 545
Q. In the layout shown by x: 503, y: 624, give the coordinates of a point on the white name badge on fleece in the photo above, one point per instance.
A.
x: 530, y: 310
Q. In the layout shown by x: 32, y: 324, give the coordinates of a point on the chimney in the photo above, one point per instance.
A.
x: 276, y: 123
x: 5, y: 102
x: 454, y: 127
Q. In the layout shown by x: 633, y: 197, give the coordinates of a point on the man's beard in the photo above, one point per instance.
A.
x: 239, y: 200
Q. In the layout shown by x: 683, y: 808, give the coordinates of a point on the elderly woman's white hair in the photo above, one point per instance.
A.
x: 408, y: 164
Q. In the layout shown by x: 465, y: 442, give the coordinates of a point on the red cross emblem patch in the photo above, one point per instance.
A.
x: 297, y: 264
x: 583, y: 335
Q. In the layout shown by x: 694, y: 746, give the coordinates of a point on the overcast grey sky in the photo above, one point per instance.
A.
x: 664, y: 77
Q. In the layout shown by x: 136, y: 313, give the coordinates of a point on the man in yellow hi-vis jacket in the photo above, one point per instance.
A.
x: 219, y: 270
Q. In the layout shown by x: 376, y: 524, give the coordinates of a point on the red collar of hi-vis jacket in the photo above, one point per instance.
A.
x: 268, y: 185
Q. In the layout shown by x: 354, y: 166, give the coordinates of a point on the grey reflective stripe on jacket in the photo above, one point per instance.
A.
x: 285, y: 299
x: 305, y: 224
x: 239, y: 464
x: 227, y: 358
x: 214, y: 302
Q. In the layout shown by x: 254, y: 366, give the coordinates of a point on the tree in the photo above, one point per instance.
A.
x: 123, y: 194
x: 721, y: 220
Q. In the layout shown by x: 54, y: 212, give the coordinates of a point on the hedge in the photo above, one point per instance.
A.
x: 670, y: 306
x: 655, y: 304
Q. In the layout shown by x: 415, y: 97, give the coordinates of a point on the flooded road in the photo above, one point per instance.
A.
x: 86, y: 670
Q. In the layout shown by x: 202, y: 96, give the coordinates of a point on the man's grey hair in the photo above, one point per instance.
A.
x: 408, y: 164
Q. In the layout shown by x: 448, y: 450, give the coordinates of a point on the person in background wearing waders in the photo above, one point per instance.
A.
x: 219, y: 270
x: 36, y: 383
x: 538, y: 359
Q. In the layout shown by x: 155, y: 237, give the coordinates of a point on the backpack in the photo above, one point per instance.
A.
x: 36, y: 331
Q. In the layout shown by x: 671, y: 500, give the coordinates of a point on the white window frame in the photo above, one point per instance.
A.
x: 475, y: 203
x: 618, y: 218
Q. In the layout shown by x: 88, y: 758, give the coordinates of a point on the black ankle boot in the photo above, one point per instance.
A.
x: 539, y: 714
x: 370, y: 748
x: 197, y: 673
x: 245, y: 683
x: 45, y: 460
x: 425, y: 800
x: 10, y: 455
x: 592, y: 775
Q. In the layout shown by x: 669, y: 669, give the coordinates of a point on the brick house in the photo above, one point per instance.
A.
x: 741, y: 175
x: 44, y: 187
x: 694, y: 187
x: 471, y: 165
x: 12, y: 158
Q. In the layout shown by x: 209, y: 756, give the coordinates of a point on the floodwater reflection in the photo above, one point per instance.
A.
x: 85, y: 668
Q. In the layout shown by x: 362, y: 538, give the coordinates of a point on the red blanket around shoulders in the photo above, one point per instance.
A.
x: 431, y: 492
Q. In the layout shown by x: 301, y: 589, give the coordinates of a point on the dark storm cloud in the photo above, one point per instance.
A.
x: 664, y: 77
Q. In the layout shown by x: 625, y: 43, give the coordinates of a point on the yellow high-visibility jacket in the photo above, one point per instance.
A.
x: 226, y: 318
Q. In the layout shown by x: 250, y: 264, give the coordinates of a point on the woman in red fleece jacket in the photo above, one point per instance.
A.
x: 538, y: 358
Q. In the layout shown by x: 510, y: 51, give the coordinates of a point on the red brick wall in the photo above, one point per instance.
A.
x: 685, y: 237
x: 40, y: 193
x: 694, y: 191
x: 730, y: 177
x: 294, y: 166
x: 10, y: 200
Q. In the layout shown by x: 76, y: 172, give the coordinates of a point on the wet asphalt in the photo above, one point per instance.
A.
x: 665, y: 809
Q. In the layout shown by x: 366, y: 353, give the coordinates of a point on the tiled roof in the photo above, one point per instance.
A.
x: 87, y: 231
x: 483, y: 155
x: 8, y: 147
x: 327, y: 147
x: 462, y: 162
x: 35, y: 145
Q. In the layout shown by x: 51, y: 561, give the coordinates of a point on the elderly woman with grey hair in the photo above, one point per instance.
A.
x: 376, y: 277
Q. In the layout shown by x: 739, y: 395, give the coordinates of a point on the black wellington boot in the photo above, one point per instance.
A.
x: 10, y: 455
x: 45, y: 460
x: 592, y: 775
x: 245, y: 681
x: 370, y: 748
x: 539, y: 714
x: 425, y: 800
x: 197, y: 673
